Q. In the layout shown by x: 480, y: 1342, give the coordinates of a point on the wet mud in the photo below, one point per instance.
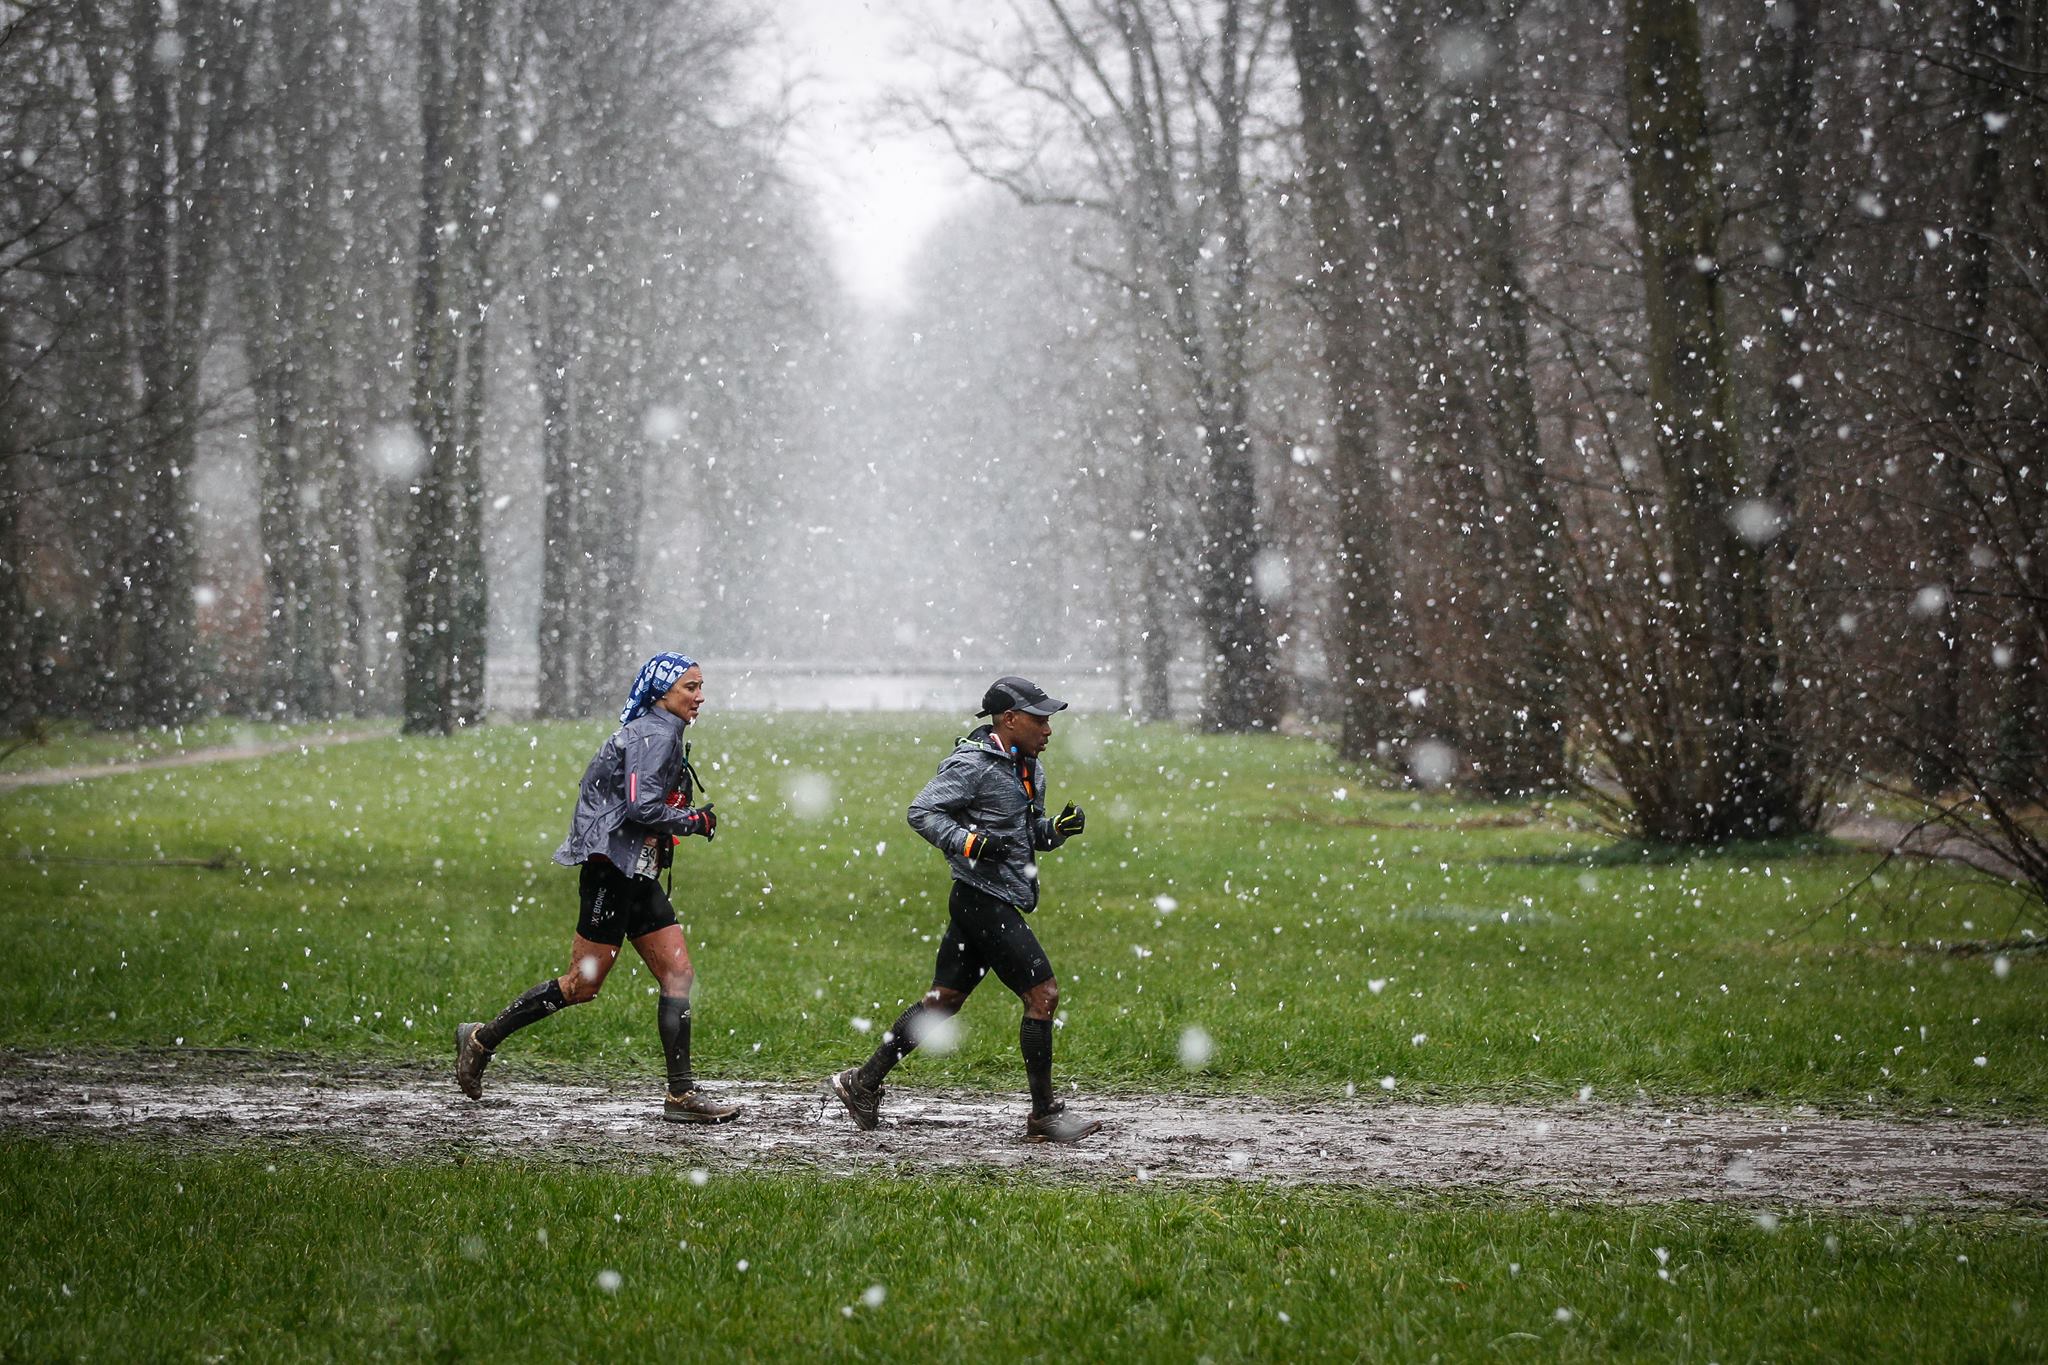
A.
x: 1591, y: 1152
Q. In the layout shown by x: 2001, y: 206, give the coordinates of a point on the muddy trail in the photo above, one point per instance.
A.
x: 1622, y: 1152
x: 190, y: 758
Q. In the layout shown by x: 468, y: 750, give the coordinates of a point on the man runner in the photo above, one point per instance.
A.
x: 985, y: 810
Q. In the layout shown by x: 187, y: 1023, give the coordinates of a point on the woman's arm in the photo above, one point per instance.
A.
x: 652, y: 764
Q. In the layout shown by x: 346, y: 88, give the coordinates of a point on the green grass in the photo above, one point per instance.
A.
x: 128, y: 1250
x: 1325, y: 931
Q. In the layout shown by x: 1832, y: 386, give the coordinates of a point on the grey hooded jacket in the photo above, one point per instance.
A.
x: 981, y: 788
x: 624, y: 797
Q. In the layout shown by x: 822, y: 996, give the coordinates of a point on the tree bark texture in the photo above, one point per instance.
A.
x: 1242, y: 694
x: 1523, y: 719
x: 162, y: 139
x: 1155, y: 645
x: 445, y: 599
x: 1725, y: 764
x: 293, y: 301
x: 1957, y: 526
x: 1343, y: 133
x: 18, y: 701
x: 561, y: 649
x: 1239, y: 692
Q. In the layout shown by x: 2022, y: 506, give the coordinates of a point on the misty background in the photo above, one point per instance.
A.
x: 1642, y: 399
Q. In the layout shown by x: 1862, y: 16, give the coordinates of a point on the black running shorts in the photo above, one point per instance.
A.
x: 986, y: 935
x: 617, y: 907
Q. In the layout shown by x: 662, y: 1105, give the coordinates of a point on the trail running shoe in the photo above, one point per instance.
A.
x: 693, y: 1106
x: 1057, y: 1125
x: 863, y: 1102
x: 471, y: 1057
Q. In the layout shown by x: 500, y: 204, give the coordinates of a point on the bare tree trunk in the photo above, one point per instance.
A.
x: 443, y: 640
x: 1958, y: 527
x: 1789, y: 51
x: 105, y: 643
x: 1732, y: 765
x: 183, y: 141
x: 1526, y: 716
x: 554, y: 371
x: 18, y: 700
x: 161, y: 558
x: 1242, y: 694
x: 351, y: 640
x: 1239, y: 691
x: 588, y: 573
x: 281, y: 171
x: 428, y: 569
x: 1155, y: 646
x: 470, y: 607
x: 327, y: 667
x: 279, y: 489
x: 1342, y: 129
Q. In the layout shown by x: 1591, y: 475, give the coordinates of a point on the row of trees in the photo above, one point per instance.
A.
x: 388, y: 251
x: 115, y: 187
x: 1656, y: 381
x: 1524, y: 389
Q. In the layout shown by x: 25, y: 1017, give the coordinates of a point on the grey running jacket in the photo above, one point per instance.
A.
x: 979, y: 787
x: 624, y: 797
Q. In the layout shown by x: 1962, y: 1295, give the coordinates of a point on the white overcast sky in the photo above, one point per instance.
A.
x: 880, y: 190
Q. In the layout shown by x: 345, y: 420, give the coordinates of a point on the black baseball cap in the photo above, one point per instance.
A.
x: 1017, y: 694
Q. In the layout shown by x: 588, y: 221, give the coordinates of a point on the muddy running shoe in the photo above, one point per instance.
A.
x: 692, y: 1106
x: 471, y: 1057
x: 863, y: 1102
x: 1057, y: 1125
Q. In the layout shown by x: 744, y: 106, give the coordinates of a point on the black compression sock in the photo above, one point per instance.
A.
x: 674, y: 1016
x: 1034, y: 1040
x: 897, y: 1043
x: 535, y: 1005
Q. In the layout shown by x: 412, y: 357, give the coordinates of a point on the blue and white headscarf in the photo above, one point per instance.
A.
x: 657, y: 676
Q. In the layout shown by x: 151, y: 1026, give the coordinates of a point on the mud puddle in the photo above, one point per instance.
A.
x: 1596, y: 1152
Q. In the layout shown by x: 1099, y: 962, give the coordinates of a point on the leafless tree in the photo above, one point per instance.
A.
x: 1139, y: 109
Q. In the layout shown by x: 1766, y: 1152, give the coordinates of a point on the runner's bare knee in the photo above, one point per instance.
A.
x: 582, y: 981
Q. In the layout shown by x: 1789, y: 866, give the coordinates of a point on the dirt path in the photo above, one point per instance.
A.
x: 1882, y: 834
x: 224, y: 753
x: 1596, y: 1151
